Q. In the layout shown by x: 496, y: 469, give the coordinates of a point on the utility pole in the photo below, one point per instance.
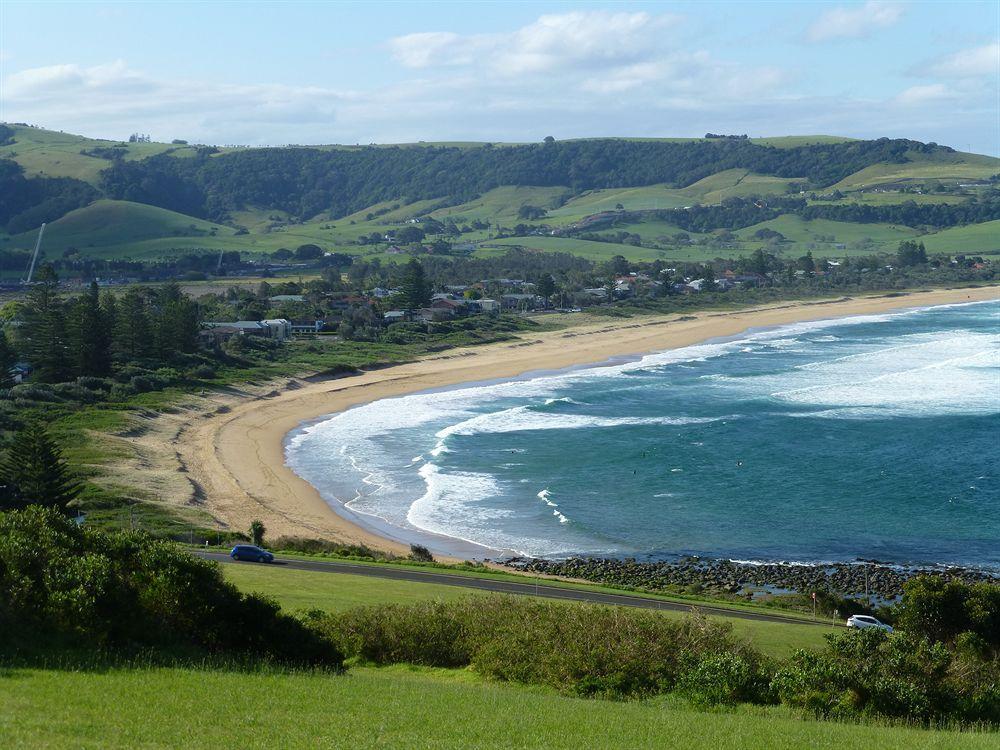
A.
x: 34, y: 255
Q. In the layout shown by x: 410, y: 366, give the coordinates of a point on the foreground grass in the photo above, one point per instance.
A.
x: 302, y: 589
x: 389, y: 707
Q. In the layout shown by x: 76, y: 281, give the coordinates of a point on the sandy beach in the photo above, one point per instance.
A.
x: 229, y: 449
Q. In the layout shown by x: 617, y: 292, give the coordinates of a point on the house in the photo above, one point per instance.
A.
x: 394, y: 249
x: 488, y: 305
x: 279, y: 298
x: 217, y: 335
x: 432, y: 315
x: 20, y: 371
x: 519, y: 301
x: 308, y: 326
x: 280, y: 328
x: 380, y: 293
x: 450, y: 306
x: 395, y: 316
x: 242, y: 327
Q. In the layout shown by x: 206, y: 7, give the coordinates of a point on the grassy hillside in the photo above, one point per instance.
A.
x: 212, y: 705
x: 110, y: 224
x: 922, y: 167
x: 56, y: 154
x: 391, y: 707
x: 975, y: 239
x: 123, y: 229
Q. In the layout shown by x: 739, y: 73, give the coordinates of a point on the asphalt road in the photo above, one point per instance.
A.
x: 508, y: 587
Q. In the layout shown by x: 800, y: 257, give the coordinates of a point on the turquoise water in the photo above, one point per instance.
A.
x: 873, y: 437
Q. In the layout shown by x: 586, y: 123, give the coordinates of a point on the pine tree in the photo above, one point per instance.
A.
x: 34, y: 472
x: 415, y: 290
x: 132, y: 340
x: 8, y: 358
x: 43, y: 329
x: 176, y: 325
x: 90, y: 337
x: 546, y: 285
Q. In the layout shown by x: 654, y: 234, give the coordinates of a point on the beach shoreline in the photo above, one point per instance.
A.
x: 233, y: 453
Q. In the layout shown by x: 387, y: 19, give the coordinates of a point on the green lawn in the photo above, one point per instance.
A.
x: 300, y: 589
x: 395, y: 707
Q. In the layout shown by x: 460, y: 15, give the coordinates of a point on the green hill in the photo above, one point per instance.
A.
x: 157, y: 200
x: 108, y: 227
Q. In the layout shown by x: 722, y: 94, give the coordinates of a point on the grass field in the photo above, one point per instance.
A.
x: 884, y: 237
x: 974, y: 239
x: 55, y: 154
x: 922, y: 167
x: 301, y: 589
x: 394, y: 707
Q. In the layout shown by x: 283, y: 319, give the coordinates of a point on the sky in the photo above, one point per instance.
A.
x: 259, y: 73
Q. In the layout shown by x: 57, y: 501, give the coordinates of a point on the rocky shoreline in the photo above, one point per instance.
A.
x: 882, y: 581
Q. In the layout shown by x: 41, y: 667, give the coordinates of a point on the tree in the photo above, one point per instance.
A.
x: 708, y: 278
x: 177, y: 323
x: 308, y: 252
x: 257, y: 531
x: 910, y: 253
x: 410, y: 233
x: 546, y: 285
x: 282, y: 253
x: 807, y: 264
x: 132, y: 339
x: 43, y: 329
x: 7, y: 361
x: 415, y: 290
x: 90, y: 335
x: 758, y: 262
x: 34, y: 472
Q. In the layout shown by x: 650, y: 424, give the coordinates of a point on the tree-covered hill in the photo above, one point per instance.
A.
x: 139, y: 199
x: 306, y: 182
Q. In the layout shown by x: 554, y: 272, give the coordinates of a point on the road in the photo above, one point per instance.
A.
x: 509, y: 587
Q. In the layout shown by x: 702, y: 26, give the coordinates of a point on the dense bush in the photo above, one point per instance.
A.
x: 61, y: 584
x: 872, y: 673
x: 589, y: 650
x: 940, y: 609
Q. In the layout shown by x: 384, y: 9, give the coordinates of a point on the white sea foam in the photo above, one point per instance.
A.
x: 916, y: 374
x: 523, y: 418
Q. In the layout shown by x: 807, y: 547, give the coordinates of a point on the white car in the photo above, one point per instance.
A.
x: 863, y: 622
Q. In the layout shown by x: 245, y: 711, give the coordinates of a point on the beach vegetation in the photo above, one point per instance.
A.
x: 69, y: 586
x: 257, y: 531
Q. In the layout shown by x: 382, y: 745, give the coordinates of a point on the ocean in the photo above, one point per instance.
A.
x: 871, y: 437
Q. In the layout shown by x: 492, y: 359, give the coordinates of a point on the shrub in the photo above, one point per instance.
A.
x: 431, y: 633
x: 420, y: 553
x: 871, y: 673
x: 941, y: 610
x: 33, y: 392
x: 727, y: 679
x: 584, y: 649
x: 202, y: 372
x: 63, y: 584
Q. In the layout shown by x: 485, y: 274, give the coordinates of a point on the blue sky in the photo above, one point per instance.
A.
x: 256, y: 73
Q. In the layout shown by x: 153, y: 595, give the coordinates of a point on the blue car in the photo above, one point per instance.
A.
x: 251, y: 553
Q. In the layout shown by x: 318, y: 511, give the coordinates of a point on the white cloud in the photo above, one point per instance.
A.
x: 856, y: 21
x: 925, y: 94
x: 968, y: 63
x: 123, y: 100
x: 553, y: 42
